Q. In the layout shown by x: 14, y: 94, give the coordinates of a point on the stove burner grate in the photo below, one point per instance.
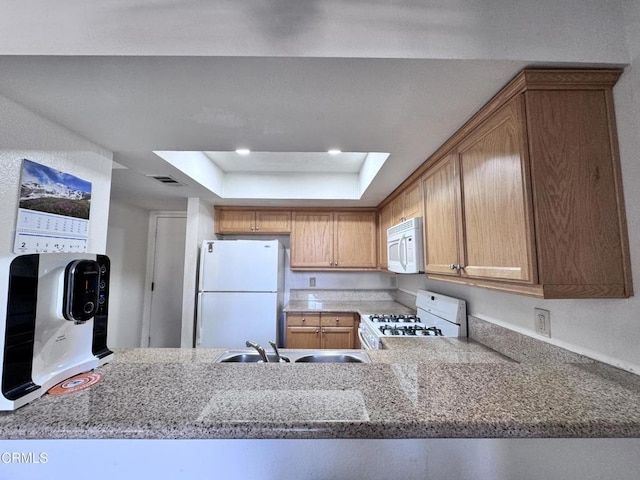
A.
x: 395, y: 319
x: 410, y: 330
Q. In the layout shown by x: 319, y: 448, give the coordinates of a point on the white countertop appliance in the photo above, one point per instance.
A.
x: 437, y: 316
x: 405, y: 248
x: 55, y: 323
x: 240, y: 292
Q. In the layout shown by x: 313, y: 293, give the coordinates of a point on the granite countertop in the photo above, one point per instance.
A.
x: 440, y: 388
x: 357, y: 306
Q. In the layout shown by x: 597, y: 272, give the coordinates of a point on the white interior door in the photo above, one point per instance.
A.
x: 166, y: 295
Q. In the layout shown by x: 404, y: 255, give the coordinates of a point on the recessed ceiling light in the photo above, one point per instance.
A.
x: 334, y: 151
x: 243, y: 151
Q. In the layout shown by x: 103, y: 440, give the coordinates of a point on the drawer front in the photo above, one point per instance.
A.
x: 303, y: 319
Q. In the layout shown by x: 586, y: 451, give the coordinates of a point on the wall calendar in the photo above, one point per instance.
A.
x: 53, y: 213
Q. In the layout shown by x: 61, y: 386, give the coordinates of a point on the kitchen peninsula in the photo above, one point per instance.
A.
x: 439, y: 388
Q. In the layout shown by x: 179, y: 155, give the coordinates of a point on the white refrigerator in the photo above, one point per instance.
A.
x: 240, y: 292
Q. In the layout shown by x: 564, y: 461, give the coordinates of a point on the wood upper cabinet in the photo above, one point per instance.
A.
x: 312, y: 240
x: 312, y: 330
x: 355, y: 240
x: 330, y: 240
x: 442, y: 217
x: 408, y: 204
x: 239, y: 220
x: 497, y: 236
x: 527, y: 196
x: 477, y: 207
x: 385, y: 222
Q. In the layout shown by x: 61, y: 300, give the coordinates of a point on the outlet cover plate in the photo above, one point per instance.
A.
x: 542, y: 320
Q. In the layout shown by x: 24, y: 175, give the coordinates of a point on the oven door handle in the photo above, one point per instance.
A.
x: 363, y: 341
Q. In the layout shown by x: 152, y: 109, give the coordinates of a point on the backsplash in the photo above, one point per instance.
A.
x: 341, y: 295
x: 520, y: 347
x: 405, y: 298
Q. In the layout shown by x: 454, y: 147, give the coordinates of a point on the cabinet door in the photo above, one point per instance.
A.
x: 303, y: 337
x: 355, y: 240
x: 496, y: 205
x: 413, y: 201
x: 235, y: 221
x: 397, y: 209
x: 273, y: 221
x: 337, y: 338
x: 386, y: 221
x: 442, y: 225
x: 312, y: 240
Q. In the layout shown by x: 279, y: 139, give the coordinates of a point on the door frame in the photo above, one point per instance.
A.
x: 151, y: 248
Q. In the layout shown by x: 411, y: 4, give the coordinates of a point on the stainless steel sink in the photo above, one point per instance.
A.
x: 333, y: 357
x: 296, y: 356
x: 244, y: 357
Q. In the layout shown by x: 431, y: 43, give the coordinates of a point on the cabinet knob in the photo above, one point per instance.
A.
x: 317, y: 331
x: 251, y: 228
x: 257, y: 228
x: 324, y: 331
x: 336, y: 264
x: 304, y: 319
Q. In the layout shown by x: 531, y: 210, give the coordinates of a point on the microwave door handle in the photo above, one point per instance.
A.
x: 402, y: 250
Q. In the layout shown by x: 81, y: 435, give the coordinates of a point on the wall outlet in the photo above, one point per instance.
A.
x: 312, y: 281
x: 543, y: 322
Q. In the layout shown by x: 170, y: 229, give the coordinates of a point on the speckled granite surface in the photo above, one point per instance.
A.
x: 520, y: 347
x: 361, y: 307
x: 442, y: 388
x: 359, y: 301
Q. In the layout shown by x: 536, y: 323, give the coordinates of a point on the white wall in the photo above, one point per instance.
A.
x: 127, y: 242
x: 200, y: 226
x: 25, y: 134
x: 607, y: 330
x: 548, y: 30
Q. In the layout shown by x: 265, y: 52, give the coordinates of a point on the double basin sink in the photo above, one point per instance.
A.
x: 296, y: 356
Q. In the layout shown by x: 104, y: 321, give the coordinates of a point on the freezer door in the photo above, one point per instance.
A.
x: 228, y: 320
x: 239, y: 266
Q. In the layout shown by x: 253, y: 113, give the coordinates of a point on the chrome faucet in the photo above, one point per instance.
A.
x: 259, y: 349
x: 275, y: 349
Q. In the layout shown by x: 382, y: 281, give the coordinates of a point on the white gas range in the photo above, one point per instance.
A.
x: 437, y: 316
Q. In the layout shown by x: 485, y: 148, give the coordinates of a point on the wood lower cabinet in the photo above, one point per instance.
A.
x: 323, y: 240
x: 240, y: 221
x: 311, y: 330
x: 527, y: 196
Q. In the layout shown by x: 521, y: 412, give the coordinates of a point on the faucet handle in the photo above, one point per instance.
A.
x: 259, y: 349
x: 275, y: 349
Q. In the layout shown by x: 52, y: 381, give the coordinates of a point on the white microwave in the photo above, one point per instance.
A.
x: 404, y: 247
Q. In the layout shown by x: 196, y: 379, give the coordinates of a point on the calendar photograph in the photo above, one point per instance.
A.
x: 47, y: 190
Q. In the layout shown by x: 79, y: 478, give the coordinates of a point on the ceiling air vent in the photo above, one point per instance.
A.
x: 167, y: 180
